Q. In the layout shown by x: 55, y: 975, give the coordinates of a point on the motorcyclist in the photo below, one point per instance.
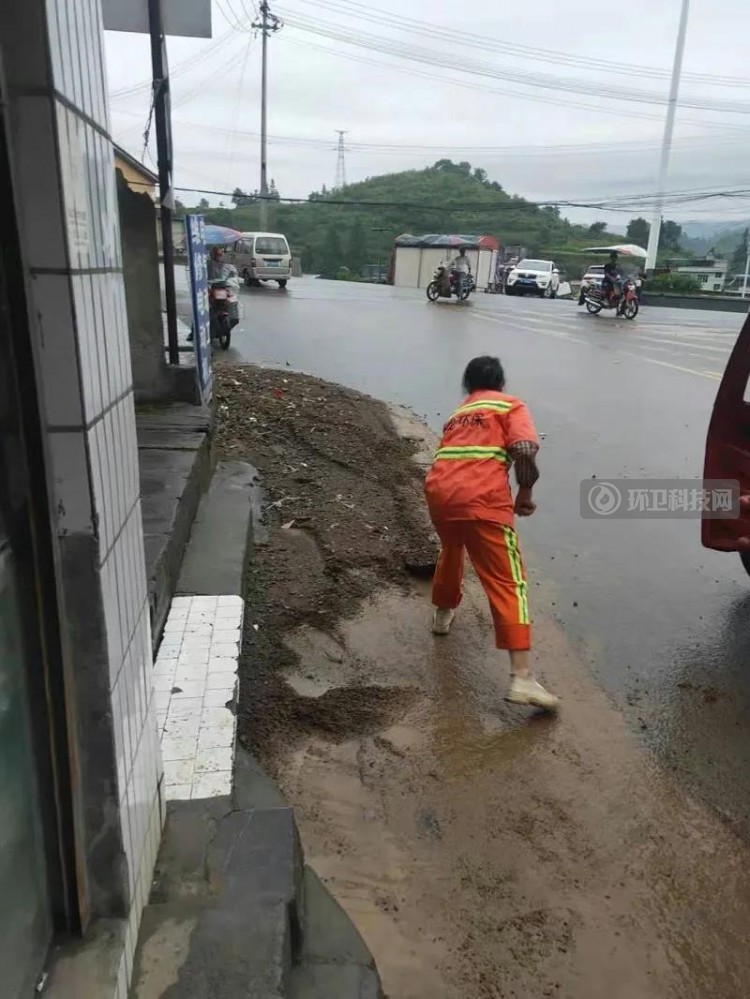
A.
x: 215, y: 266
x: 461, y: 267
x: 611, y: 283
x: 216, y: 270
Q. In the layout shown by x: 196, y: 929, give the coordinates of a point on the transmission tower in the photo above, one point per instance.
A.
x: 341, y: 160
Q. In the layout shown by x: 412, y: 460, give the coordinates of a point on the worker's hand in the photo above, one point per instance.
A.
x: 524, y: 505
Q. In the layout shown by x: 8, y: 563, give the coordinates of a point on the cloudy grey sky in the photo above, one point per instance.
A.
x: 449, y: 94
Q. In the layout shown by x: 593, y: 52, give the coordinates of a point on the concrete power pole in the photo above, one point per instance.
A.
x: 655, y: 232
x: 267, y: 25
x: 162, y: 118
x: 341, y: 161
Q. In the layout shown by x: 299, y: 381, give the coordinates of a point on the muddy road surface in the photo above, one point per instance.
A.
x: 482, y: 850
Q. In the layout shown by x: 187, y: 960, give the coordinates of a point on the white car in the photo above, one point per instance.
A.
x: 534, y: 277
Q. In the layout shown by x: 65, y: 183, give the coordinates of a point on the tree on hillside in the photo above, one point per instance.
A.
x: 480, y: 175
x: 448, y: 166
x: 739, y: 257
x: 203, y: 205
x: 331, y: 255
x: 637, y: 232
x: 408, y: 201
x: 670, y: 236
x: 272, y: 191
x: 598, y: 228
x: 240, y: 199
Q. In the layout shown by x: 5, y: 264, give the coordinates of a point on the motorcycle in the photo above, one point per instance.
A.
x: 440, y: 288
x: 223, y: 305
x: 598, y: 298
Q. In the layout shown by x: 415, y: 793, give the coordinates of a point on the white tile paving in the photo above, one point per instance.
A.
x: 195, y: 684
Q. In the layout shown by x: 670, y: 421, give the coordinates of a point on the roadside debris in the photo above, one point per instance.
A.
x: 343, y: 497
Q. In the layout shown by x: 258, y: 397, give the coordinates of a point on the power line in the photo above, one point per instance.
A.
x: 184, y: 66
x: 237, y: 20
x: 567, y: 103
x: 381, y: 17
x: 549, y: 149
x: 622, y: 203
x: 472, y: 67
x: 233, y: 133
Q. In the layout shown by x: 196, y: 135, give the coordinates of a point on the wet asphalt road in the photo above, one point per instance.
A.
x: 663, y: 623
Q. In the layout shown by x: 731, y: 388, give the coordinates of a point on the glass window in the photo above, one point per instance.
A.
x: 535, y: 265
x: 271, y: 244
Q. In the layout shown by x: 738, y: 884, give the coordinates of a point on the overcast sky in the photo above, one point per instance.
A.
x: 320, y: 83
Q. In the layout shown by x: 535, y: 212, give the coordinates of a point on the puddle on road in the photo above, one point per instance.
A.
x: 487, y: 852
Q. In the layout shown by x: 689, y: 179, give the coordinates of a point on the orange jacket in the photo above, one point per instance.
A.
x: 469, y: 478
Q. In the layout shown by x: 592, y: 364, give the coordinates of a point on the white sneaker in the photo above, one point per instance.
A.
x: 442, y: 621
x: 526, y: 690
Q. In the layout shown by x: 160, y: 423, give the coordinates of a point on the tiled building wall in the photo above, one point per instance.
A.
x: 65, y: 189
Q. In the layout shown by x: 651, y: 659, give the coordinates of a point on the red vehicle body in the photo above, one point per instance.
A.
x: 728, y: 450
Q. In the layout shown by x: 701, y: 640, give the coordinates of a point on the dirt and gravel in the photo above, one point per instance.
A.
x: 484, y: 852
x: 342, y: 507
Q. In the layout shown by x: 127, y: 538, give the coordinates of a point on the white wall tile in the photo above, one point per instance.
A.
x: 55, y: 47
x: 59, y: 376
x: 90, y: 385
x: 70, y: 474
x: 73, y: 54
x: 64, y: 79
x: 71, y: 140
x: 101, y: 485
x: 39, y: 189
x: 97, y: 335
x: 97, y: 36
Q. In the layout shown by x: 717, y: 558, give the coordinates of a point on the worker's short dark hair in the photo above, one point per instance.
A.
x: 484, y: 373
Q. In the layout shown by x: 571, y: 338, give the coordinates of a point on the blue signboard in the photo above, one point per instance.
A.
x: 196, y: 251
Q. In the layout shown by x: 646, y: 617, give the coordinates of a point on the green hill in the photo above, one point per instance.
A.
x: 447, y: 197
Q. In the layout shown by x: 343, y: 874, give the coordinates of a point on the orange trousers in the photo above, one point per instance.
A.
x: 496, y: 557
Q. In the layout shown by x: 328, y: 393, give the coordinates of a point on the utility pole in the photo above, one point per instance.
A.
x: 655, y: 232
x: 747, y: 273
x: 162, y: 119
x: 267, y: 25
x: 341, y: 161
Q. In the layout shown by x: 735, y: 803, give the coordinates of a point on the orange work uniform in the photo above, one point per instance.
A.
x: 471, y: 505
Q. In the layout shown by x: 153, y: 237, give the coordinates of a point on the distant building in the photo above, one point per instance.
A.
x: 416, y: 257
x: 711, y: 273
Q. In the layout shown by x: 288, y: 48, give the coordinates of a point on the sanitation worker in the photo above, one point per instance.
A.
x: 472, y: 507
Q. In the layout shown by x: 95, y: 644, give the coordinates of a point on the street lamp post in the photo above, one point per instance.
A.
x: 653, y: 237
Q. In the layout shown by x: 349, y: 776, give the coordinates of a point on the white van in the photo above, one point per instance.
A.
x: 262, y: 256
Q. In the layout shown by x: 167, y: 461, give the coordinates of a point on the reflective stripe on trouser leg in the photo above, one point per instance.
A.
x: 494, y: 552
x: 516, y: 568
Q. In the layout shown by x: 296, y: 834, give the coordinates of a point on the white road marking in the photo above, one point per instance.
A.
x: 713, y: 375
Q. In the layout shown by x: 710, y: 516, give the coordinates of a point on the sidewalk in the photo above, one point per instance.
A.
x: 234, y: 912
